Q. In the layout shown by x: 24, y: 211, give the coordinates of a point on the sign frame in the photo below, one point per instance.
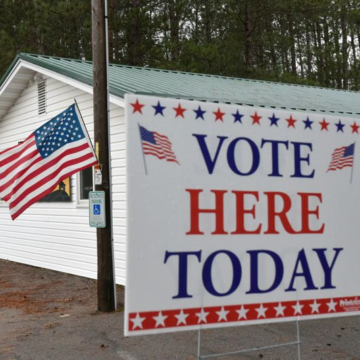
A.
x: 286, y: 262
x: 97, y: 204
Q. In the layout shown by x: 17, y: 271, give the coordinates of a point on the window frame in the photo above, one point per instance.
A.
x: 82, y: 202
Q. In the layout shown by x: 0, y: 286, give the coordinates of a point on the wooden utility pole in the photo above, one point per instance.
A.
x: 106, y: 284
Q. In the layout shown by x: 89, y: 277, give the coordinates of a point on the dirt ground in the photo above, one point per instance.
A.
x: 49, y: 315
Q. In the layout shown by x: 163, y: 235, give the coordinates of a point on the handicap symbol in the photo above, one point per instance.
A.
x: 97, y: 209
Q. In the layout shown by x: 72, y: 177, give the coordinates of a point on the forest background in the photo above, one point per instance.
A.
x: 313, y: 42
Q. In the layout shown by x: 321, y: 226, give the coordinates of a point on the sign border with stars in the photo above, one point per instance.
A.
x: 167, y: 116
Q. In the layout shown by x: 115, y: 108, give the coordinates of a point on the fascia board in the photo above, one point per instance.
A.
x: 65, y: 79
x: 11, y: 76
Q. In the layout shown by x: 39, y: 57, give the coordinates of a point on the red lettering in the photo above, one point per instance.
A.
x: 241, y: 212
x: 306, y: 212
x: 195, y: 212
x: 273, y: 214
x: 279, y: 204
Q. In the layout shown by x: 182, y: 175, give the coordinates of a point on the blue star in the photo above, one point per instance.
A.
x: 159, y: 109
x: 199, y: 113
x: 308, y: 123
x: 340, y: 126
x: 274, y: 120
x: 237, y: 117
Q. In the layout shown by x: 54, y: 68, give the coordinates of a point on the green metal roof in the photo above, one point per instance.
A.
x: 129, y: 79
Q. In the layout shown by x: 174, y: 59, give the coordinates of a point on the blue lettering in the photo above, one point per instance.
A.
x: 207, y: 278
x: 298, y: 160
x: 275, y: 154
x: 183, y: 270
x: 210, y: 163
x: 327, y: 269
x: 254, y: 271
x: 301, y: 156
x: 255, y: 157
x: 301, y: 259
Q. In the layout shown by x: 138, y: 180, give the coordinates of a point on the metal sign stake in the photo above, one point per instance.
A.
x: 297, y: 342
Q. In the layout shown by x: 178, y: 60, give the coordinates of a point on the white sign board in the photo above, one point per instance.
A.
x: 239, y: 215
x: 97, y: 209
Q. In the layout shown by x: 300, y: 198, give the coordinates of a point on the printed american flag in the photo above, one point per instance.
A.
x: 52, y: 153
x: 342, y: 157
x: 156, y: 144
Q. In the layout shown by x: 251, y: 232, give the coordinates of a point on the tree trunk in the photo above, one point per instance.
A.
x: 292, y: 46
x: 174, y: 30
x: 284, y: 48
x: 301, y: 62
x: 273, y: 57
x: 135, y: 41
x: 328, y: 62
x: 112, y: 43
x: 319, y: 53
x: 308, y: 51
x: 261, y: 61
x: 344, y: 47
x: 248, y: 32
x: 337, y: 54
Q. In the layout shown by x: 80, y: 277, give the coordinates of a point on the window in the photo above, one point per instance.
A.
x: 85, y: 183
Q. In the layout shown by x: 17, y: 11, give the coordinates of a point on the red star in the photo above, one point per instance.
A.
x: 179, y: 111
x: 218, y: 115
x: 324, y: 125
x: 137, y: 106
x: 355, y: 128
x: 291, y: 122
x: 256, y: 118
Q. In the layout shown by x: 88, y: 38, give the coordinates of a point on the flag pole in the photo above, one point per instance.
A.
x: 86, y: 130
x: 352, y: 168
x: 142, y: 149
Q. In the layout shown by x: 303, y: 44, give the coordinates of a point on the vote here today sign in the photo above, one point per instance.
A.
x: 239, y: 215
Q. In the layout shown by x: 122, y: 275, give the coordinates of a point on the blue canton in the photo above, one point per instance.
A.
x: 63, y: 129
x: 349, y: 151
x: 147, y: 136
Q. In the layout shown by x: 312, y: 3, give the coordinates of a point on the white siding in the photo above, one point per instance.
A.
x: 57, y: 235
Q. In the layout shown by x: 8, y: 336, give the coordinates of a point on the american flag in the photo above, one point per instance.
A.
x: 156, y: 144
x: 52, y: 153
x: 342, y: 157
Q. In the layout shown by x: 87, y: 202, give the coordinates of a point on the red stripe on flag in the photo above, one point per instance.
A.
x: 28, y: 172
x: 7, y: 151
x: 48, y: 165
x: 338, y: 161
x: 21, y: 149
x: 18, y: 175
x: 48, y: 178
x: 21, y: 161
x: 48, y: 191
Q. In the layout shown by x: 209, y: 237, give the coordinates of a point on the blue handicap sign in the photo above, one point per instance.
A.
x: 97, y: 209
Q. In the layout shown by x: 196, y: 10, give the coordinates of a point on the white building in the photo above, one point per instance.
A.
x: 56, y: 235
